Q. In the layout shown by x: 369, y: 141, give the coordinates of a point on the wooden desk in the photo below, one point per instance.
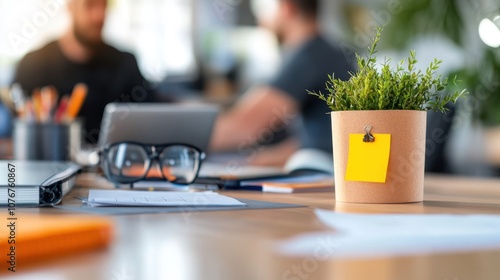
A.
x: 238, y: 244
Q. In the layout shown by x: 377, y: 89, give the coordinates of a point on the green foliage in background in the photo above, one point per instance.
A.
x: 454, y: 20
x: 402, y: 88
x: 484, y: 85
x: 427, y: 17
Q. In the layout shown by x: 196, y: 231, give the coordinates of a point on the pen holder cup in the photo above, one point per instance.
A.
x: 46, y: 141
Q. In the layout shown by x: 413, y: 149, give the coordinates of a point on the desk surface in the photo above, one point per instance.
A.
x: 238, y: 244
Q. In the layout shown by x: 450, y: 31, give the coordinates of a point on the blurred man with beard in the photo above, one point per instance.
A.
x: 307, y: 60
x: 81, y: 56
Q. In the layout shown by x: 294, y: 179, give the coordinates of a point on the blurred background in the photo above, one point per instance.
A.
x: 214, y: 50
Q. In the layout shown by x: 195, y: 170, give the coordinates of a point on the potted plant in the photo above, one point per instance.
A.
x: 379, y: 128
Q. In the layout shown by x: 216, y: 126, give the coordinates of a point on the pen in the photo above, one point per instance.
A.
x: 61, y: 109
x: 76, y: 101
x: 29, y: 113
x: 47, y: 103
x: 37, y: 104
x: 17, y: 96
x: 54, y: 97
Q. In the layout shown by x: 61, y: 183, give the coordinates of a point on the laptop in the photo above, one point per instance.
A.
x: 158, y: 123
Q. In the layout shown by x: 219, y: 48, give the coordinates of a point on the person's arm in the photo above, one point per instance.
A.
x: 259, y: 112
x: 276, y: 155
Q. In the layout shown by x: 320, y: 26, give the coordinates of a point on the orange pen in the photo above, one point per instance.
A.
x: 37, y: 104
x: 75, y: 102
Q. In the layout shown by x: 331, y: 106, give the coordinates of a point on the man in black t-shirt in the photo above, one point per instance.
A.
x: 81, y: 56
x: 308, y: 59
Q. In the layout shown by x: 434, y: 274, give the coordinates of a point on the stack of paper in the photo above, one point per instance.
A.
x: 143, y: 198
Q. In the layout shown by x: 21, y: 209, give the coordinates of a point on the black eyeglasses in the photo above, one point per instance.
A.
x: 130, y: 162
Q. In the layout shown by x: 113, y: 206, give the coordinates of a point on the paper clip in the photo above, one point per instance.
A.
x: 368, y: 138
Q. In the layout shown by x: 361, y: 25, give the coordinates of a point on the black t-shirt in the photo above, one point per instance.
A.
x: 111, y: 76
x: 307, y: 68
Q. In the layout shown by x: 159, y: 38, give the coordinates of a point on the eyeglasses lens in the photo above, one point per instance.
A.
x: 127, y: 162
x: 180, y: 164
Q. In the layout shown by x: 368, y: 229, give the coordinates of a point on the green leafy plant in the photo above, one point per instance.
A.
x: 403, y: 88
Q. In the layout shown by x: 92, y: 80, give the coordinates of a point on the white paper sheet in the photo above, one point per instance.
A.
x: 143, y: 198
x: 381, y: 235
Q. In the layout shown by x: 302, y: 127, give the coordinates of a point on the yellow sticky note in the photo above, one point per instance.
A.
x: 368, y: 162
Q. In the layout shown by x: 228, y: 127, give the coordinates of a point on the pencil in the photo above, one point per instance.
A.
x: 75, y: 102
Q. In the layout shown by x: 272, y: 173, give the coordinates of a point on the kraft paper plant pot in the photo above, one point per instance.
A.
x: 405, y: 173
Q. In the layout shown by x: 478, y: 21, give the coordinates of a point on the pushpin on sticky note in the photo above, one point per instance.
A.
x: 368, y: 161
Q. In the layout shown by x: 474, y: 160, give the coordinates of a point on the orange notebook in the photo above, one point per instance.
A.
x: 35, y: 238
